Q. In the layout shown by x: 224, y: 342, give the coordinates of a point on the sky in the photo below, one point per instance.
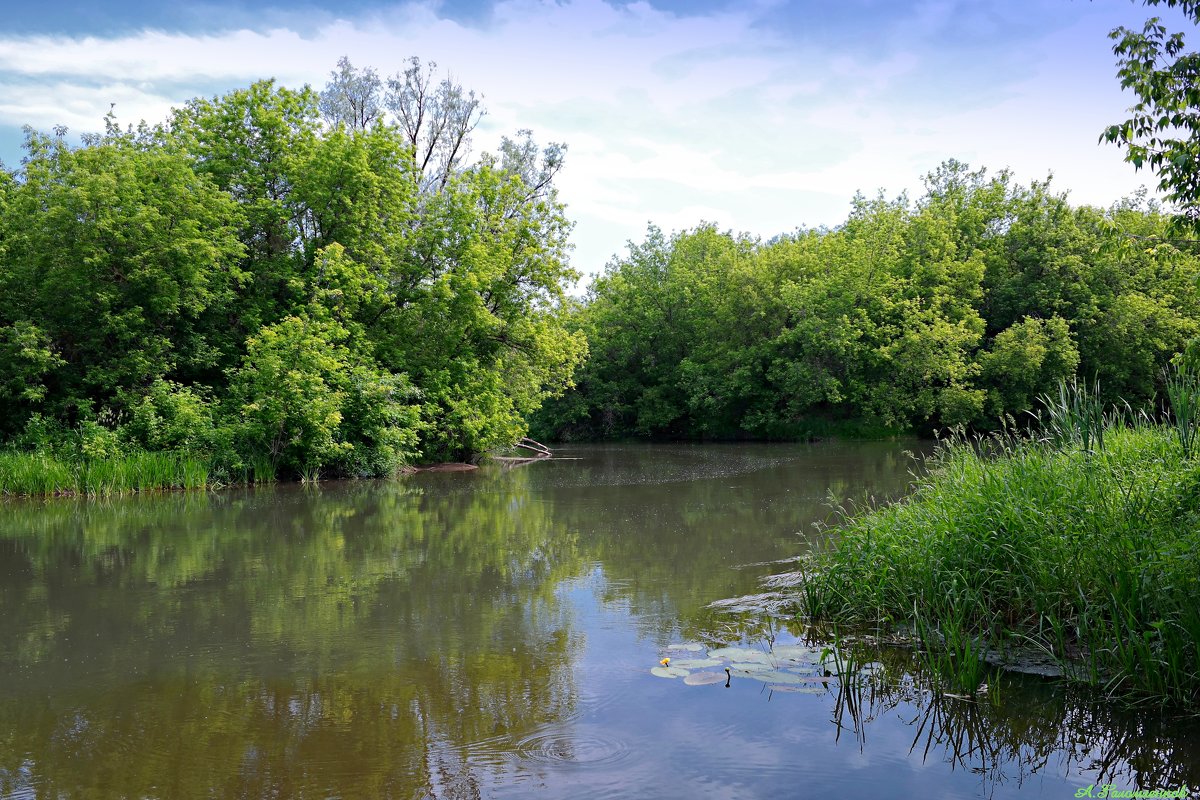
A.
x: 761, y: 116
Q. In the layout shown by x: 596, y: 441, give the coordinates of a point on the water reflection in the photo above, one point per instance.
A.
x: 458, y: 635
x: 1030, y: 728
x: 1024, y: 734
x: 276, y: 642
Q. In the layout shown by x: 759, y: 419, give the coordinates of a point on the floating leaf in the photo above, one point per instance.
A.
x: 670, y: 672
x: 695, y: 663
x: 796, y: 652
x: 705, y: 678
x: 739, y: 654
x: 775, y: 676
x: 690, y: 647
x: 799, y: 689
x: 752, y: 666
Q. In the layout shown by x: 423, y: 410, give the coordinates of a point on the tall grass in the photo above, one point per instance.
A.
x: 1073, y: 416
x: 262, y: 469
x: 1183, y: 393
x: 38, y: 474
x: 1084, y: 543
x: 35, y: 474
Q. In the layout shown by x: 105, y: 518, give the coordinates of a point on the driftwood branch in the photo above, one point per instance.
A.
x: 537, y: 447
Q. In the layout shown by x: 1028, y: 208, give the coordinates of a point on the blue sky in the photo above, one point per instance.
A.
x: 761, y: 116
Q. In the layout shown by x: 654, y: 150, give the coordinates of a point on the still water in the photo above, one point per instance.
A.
x: 492, y: 634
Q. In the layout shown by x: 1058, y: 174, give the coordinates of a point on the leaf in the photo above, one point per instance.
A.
x: 775, y: 676
x: 705, y: 678
x: 669, y: 672
x: 798, y: 689
x: 739, y: 654
x: 696, y: 663
x: 750, y: 666
x: 797, y: 652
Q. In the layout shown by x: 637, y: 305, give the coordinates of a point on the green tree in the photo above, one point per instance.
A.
x: 1025, y: 360
x: 1163, y: 129
x: 305, y: 398
x: 114, y: 253
x: 480, y: 329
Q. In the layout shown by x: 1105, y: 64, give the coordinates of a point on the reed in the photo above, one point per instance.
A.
x: 1183, y: 394
x: 1073, y: 416
x: 262, y: 470
x: 1088, y: 551
x: 35, y: 474
x: 39, y: 474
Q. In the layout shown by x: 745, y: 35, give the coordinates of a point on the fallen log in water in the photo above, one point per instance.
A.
x: 447, y: 467
x: 511, y: 462
x: 537, y: 447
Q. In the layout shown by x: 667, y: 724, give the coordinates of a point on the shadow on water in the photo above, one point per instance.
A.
x: 485, y: 634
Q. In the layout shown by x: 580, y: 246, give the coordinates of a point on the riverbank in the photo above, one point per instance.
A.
x: 1088, y: 551
x: 47, y: 475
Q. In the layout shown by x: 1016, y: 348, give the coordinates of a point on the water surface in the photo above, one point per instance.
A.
x: 491, y: 634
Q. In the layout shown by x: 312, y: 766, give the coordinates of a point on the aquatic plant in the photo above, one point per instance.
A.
x: 41, y: 474
x: 1073, y: 416
x: 1183, y: 394
x: 1089, y: 553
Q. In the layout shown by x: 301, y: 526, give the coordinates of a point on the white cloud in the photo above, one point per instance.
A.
x: 668, y: 118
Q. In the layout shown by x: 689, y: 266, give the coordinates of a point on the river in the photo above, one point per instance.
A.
x: 491, y: 634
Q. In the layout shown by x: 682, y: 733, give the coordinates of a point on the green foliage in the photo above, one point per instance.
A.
x: 1183, y: 393
x: 1084, y: 555
x: 171, y: 417
x: 308, y: 401
x: 1163, y: 129
x: 27, y: 358
x: 112, y: 254
x: 957, y: 309
x: 281, y: 297
x: 1025, y: 358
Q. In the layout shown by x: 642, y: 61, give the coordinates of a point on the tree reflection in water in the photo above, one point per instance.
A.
x: 433, y: 638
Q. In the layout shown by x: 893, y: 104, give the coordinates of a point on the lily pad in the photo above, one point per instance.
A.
x: 796, y: 652
x: 801, y: 689
x: 705, y: 678
x: 739, y: 654
x: 670, y: 672
x: 690, y: 647
x: 750, y: 666
x: 695, y: 663
x: 775, y: 676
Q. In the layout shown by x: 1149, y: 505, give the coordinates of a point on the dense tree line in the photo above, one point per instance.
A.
x: 282, y: 288
x: 956, y: 309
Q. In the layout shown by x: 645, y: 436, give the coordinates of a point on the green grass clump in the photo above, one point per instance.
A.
x: 1090, y: 554
x: 39, y: 474
x: 35, y: 474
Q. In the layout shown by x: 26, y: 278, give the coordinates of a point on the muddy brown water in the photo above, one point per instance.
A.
x: 491, y: 634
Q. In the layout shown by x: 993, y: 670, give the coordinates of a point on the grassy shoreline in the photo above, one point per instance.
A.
x: 44, y: 475
x: 48, y: 475
x: 1086, y: 550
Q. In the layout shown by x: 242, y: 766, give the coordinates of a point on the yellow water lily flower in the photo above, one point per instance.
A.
x: 665, y: 662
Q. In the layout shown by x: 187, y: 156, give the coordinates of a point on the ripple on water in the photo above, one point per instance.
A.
x: 567, y: 745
